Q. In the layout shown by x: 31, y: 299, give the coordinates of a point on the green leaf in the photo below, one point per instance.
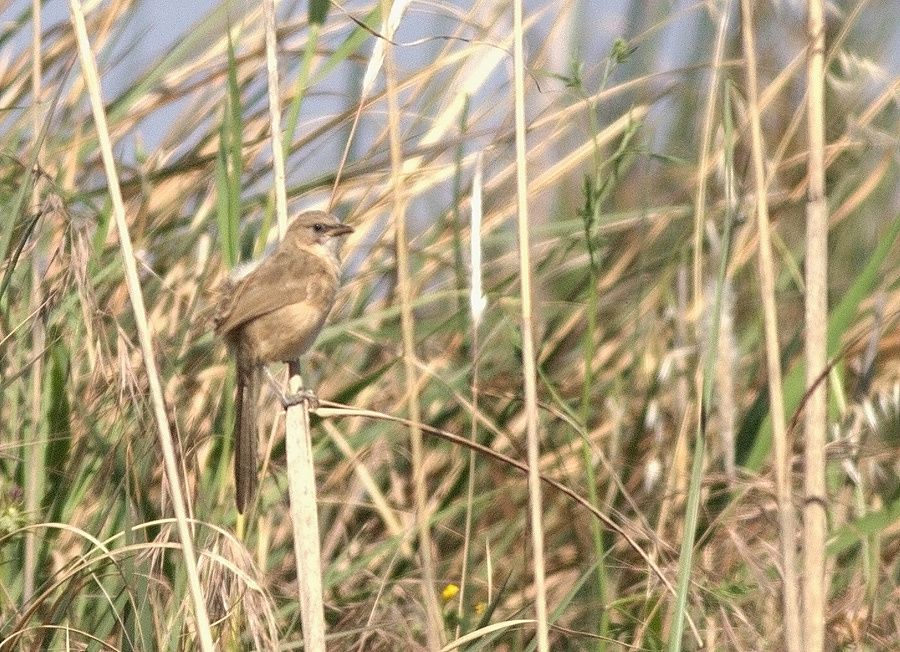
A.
x: 229, y: 166
x: 756, y: 445
x: 870, y: 525
x: 59, y: 432
x: 318, y: 11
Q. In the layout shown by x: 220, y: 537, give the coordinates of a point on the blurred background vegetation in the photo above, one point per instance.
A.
x: 616, y: 100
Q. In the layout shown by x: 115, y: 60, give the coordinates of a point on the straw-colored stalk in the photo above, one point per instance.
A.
x: 298, y: 439
x: 136, y: 298
x: 528, y: 355
x: 712, y: 97
x: 275, y: 116
x: 705, y: 138
x: 787, y: 527
x: 476, y: 309
x: 305, y: 522
x: 433, y: 621
x: 816, y: 415
x: 33, y: 450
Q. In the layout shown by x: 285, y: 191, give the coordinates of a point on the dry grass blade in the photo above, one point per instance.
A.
x: 477, y: 304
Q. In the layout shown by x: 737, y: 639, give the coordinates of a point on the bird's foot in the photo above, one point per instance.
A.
x: 303, y: 396
x: 288, y: 400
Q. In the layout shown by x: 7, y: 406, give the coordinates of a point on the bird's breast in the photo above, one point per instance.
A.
x: 278, y: 320
x: 286, y: 333
x: 327, y: 254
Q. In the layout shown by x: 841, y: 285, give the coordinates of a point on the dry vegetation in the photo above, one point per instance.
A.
x: 643, y: 207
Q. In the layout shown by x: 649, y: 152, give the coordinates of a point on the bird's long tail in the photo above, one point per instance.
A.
x: 246, y: 476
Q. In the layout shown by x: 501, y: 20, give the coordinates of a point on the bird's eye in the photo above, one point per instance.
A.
x: 319, y: 228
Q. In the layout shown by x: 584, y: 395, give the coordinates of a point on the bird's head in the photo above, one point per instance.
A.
x: 316, y: 228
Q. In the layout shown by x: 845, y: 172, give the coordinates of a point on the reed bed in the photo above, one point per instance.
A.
x: 684, y: 221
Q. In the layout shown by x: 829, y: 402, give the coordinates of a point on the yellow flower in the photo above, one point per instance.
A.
x: 449, y: 592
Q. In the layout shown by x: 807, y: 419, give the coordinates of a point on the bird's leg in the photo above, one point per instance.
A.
x: 296, y: 398
x: 304, y: 395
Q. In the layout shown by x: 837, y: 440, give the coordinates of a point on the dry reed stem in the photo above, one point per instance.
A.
x: 705, y: 137
x: 34, y: 470
x: 433, y: 621
x: 680, y: 460
x: 816, y: 315
x: 33, y: 462
x: 298, y: 439
x: 477, y: 303
x: 275, y: 115
x: 305, y: 522
x: 787, y: 527
x: 89, y: 73
x: 529, y: 370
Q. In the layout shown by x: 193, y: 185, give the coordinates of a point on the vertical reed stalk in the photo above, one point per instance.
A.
x: 787, y: 527
x: 275, y: 115
x: 816, y: 415
x: 476, y: 308
x: 705, y: 137
x: 528, y: 355
x: 34, y: 466
x: 136, y: 297
x: 433, y: 621
x: 298, y: 439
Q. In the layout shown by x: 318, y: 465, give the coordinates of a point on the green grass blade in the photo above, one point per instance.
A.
x: 754, y: 446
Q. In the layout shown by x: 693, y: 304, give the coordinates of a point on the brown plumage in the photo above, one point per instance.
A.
x: 273, y: 313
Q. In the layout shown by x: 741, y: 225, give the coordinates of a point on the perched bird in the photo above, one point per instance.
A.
x: 272, y: 311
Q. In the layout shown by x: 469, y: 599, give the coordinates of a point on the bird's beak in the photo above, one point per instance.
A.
x: 340, y: 229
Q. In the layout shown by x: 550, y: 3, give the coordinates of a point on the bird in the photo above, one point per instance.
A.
x: 272, y: 311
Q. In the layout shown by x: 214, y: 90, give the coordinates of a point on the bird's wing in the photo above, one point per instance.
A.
x: 285, y: 278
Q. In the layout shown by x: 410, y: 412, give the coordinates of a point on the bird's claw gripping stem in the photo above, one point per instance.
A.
x: 303, y: 396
